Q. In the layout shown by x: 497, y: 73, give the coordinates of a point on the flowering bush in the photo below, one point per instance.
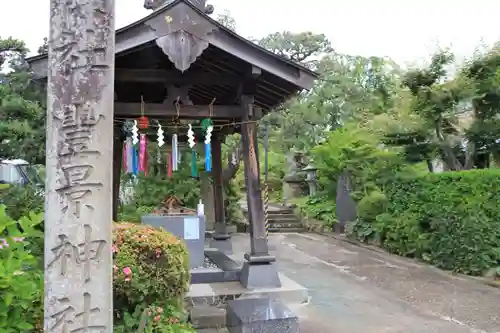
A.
x: 153, y: 319
x: 150, y: 269
x: 21, y: 280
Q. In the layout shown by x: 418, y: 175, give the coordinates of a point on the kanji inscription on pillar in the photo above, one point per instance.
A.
x: 78, y: 218
x: 86, y: 253
x: 67, y: 319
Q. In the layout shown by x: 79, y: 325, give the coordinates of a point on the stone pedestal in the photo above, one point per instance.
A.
x: 222, y: 242
x: 260, y: 315
x: 259, y: 272
x: 189, y: 228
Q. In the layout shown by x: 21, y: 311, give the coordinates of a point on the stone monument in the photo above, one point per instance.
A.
x: 78, y: 206
x: 345, y: 205
x: 294, y: 177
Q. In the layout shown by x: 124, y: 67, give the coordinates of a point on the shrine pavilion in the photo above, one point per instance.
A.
x: 179, y: 55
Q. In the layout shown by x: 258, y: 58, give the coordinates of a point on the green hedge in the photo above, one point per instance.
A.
x: 450, y: 219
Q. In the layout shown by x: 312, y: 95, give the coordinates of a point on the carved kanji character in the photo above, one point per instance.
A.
x: 82, y: 253
x: 76, y: 186
x: 67, y: 320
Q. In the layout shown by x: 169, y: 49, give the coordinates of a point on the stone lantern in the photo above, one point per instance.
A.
x: 311, y: 180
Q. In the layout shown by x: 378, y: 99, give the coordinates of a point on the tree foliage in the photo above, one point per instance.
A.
x: 22, y: 106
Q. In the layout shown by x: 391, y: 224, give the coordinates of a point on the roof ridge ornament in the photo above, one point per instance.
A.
x: 200, y: 4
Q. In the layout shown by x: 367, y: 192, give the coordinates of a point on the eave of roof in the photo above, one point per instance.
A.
x: 219, y: 25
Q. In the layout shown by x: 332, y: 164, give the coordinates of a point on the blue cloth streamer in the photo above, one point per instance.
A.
x: 208, y: 157
x: 135, y: 159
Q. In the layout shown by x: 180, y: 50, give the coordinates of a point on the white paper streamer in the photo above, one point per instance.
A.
x: 161, y: 140
x: 191, y: 139
x: 135, y: 133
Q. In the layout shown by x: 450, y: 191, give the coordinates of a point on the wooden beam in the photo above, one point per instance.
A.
x: 174, y: 76
x: 185, y: 112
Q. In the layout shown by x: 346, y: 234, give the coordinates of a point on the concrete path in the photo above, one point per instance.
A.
x: 354, y: 290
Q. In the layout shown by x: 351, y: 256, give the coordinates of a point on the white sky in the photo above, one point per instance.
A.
x: 391, y: 28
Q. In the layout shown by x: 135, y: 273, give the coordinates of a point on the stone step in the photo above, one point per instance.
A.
x: 204, y: 316
x: 294, y: 222
x: 283, y: 216
x: 288, y: 220
x: 281, y: 211
x: 285, y: 224
x: 276, y: 230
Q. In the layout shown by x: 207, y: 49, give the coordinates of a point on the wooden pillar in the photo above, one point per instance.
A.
x: 117, y: 169
x: 252, y: 179
x: 220, y: 239
x: 78, y: 267
x: 259, y: 269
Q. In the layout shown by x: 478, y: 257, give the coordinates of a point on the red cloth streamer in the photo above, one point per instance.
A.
x: 142, y: 153
x: 169, y: 165
x: 146, y: 159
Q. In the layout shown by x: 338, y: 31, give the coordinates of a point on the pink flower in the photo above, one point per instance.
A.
x: 114, y: 248
x: 127, y: 271
x: 115, y: 268
x: 127, y: 278
x: 157, y: 318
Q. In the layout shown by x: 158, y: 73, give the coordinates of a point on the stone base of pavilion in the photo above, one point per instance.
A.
x: 217, y: 296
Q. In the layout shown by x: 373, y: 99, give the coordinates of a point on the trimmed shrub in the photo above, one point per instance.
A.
x: 450, y: 219
x: 150, y: 266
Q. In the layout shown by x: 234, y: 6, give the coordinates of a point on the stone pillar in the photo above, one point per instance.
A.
x: 221, y: 239
x: 259, y: 269
x: 78, y: 206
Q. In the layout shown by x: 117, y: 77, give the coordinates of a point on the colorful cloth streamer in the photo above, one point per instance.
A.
x: 208, y: 157
x: 129, y: 155
x: 146, y: 161
x: 208, y: 127
x: 175, y: 153
x: 194, y: 167
x: 142, y: 153
x: 135, y: 162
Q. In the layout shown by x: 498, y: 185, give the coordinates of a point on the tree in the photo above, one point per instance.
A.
x: 350, y: 88
x: 291, y: 122
x: 484, y: 130
x: 12, y: 50
x: 304, y: 47
x: 437, y: 101
x: 44, y: 48
x: 226, y: 19
x: 22, y: 114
